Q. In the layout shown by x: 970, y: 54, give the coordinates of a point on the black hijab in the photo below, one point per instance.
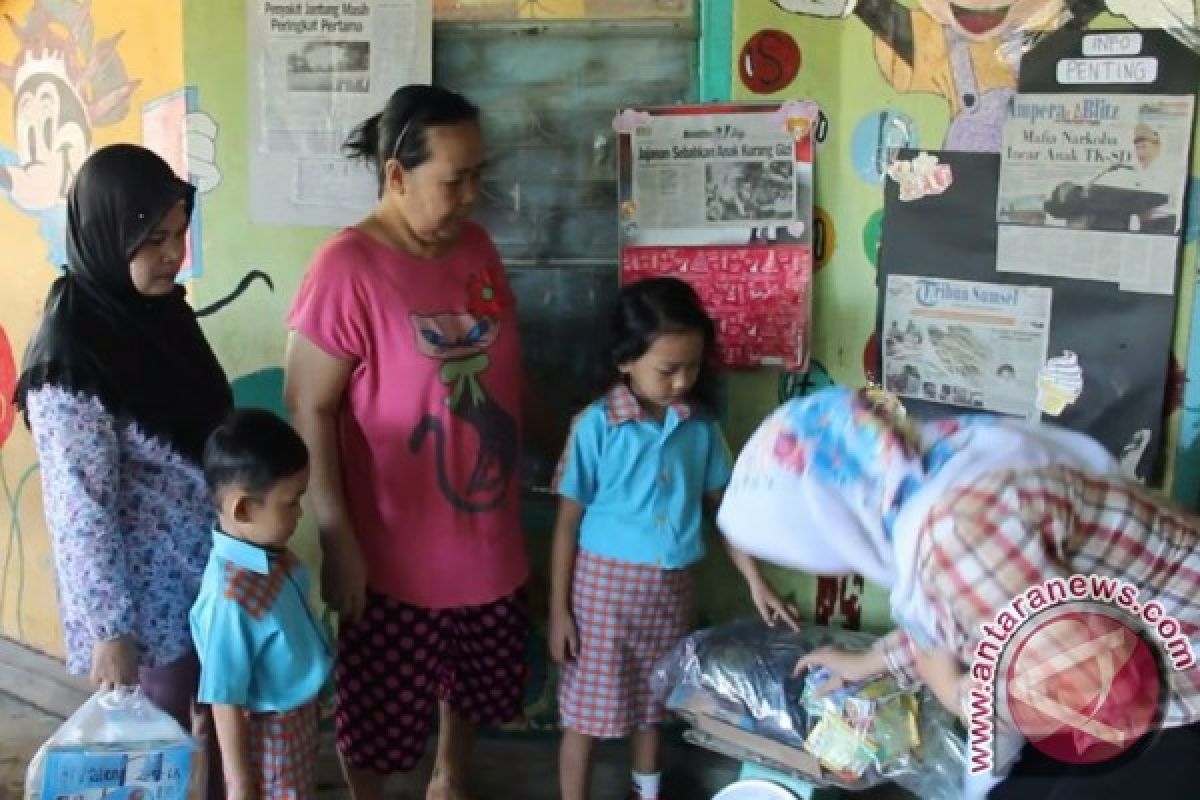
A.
x: 144, y: 358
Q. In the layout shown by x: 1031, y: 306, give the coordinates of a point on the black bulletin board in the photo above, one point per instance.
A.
x: 1122, y: 338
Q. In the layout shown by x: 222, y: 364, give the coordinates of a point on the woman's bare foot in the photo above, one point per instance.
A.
x: 442, y: 788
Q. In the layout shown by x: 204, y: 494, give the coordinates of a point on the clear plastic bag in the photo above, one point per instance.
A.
x: 118, y: 746
x: 734, y: 685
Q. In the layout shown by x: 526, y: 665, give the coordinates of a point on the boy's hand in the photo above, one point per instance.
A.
x: 773, y: 608
x: 844, y: 666
x: 563, y: 636
x: 233, y: 736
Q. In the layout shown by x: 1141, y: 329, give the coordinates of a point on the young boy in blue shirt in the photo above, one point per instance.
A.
x: 263, y: 655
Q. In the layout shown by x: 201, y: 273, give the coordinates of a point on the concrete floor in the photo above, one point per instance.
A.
x: 505, y: 767
x: 22, y: 730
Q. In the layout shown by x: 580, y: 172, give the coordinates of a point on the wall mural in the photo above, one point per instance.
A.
x: 65, y: 85
x: 943, y: 74
x: 967, y: 52
x: 75, y: 77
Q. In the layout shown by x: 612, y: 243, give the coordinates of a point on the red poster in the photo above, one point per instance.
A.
x: 721, y: 197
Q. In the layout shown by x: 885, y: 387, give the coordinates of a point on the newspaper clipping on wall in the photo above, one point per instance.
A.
x: 316, y: 71
x: 1092, y: 188
x: 721, y: 196
x: 717, y: 178
x: 690, y: 172
x: 962, y: 343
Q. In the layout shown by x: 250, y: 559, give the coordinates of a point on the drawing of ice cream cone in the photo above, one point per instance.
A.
x: 1059, y: 383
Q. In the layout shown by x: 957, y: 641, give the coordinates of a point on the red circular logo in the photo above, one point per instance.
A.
x: 1083, y: 686
x: 769, y: 62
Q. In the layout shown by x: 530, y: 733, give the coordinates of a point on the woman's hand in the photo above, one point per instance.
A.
x: 773, y: 608
x: 242, y: 790
x: 844, y: 666
x: 114, y: 663
x: 940, y: 672
x: 563, y: 636
x: 343, y: 576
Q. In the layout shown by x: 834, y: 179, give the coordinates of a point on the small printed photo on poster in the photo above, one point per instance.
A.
x: 1096, y: 163
x: 909, y: 340
x: 905, y: 379
x: 330, y: 66
x: 750, y: 190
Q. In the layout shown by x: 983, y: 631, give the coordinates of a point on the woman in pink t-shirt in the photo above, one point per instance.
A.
x: 403, y: 376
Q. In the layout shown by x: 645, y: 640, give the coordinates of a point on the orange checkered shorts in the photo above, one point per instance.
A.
x: 628, y: 617
x: 283, y: 749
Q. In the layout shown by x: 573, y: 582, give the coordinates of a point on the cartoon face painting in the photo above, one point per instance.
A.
x: 967, y: 51
x: 983, y: 20
x: 63, y: 85
x: 446, y: 337
x: 52, y: 138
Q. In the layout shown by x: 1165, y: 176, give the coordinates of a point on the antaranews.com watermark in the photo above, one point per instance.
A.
x: 1070, y: 659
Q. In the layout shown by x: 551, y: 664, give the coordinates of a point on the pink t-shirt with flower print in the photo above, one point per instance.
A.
x: 430, y: 429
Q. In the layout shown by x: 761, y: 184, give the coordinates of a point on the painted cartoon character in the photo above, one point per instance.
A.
x: 460, y: 341
x: 968, y: 51
x: 63, y: 84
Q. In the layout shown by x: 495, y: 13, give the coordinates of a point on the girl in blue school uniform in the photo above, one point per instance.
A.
x: 642, y: 464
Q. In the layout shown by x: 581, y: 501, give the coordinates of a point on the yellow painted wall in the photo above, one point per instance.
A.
x: 118, y: 57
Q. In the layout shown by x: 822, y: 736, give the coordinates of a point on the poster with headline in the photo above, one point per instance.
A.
x: 1092, y: 188
x: 721, y: 196
x: 316, y: 71
x: 965, y: 343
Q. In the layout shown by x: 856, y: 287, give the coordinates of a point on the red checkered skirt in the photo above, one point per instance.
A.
x: 628, y: 616
x: 283, y: 750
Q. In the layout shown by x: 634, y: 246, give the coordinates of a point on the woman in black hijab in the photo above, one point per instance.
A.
x: 120, y: 390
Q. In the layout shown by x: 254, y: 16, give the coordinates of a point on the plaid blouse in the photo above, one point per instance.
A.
x: 987, y: 543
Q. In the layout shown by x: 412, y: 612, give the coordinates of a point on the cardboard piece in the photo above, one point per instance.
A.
x: 700, y: 711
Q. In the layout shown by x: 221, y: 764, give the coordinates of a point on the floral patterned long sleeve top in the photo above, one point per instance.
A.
x: 130, y: 522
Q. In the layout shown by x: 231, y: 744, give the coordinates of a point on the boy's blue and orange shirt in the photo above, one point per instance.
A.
x: 642, y: 482
x: 260, y: 644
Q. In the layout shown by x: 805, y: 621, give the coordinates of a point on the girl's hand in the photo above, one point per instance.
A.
x: 773, y: 608
x: 844, y: 666
x: 563, y: 636
x: 114, y: 663
x: 344, y: 576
